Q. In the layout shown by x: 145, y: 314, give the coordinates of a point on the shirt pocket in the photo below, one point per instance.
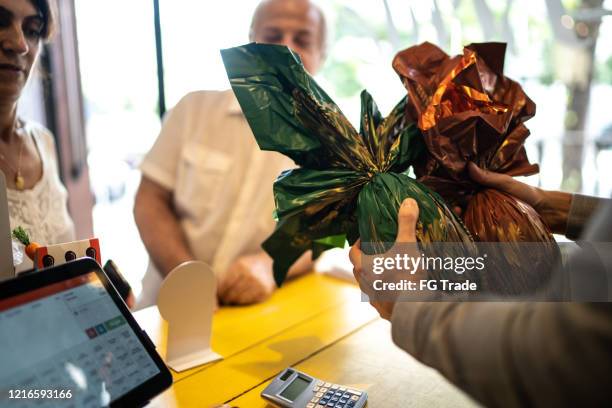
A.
x: 201, y: 176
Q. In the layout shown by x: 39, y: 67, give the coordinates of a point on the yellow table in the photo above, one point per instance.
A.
x: 314, y: 323
x: 368, y: 360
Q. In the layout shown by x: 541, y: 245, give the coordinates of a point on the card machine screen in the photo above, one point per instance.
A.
x: 93, y: 356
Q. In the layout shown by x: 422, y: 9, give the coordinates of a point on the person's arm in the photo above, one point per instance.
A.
x: 581, y: 211
x: 154, y: 210
x: 512, y: 354
x: 304, y: 264
x: 564, y: 213
x: 506, y: 354
x: 553, y: 206
x: 249, y: 279
x: 159, y: 227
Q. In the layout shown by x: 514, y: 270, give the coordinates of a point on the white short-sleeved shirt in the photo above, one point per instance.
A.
x: 221, y: 181
x: 42, y: 210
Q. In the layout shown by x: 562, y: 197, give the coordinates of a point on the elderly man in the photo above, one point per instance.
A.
x: 206, y: 189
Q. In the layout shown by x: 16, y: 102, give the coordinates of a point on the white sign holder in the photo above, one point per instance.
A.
x: 186, y: 301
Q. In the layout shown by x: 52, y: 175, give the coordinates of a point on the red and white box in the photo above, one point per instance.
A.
x: 53, y: 255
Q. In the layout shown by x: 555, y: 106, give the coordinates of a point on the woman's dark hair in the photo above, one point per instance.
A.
x: 45, y: 7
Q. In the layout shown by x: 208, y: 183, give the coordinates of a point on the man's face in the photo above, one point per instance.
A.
x: 294, y: 23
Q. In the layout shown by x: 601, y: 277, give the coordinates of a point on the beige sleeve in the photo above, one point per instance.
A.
x: 519, y: 353
x: 161, y: 163
x: 513, y: 354
x: 581, y: 210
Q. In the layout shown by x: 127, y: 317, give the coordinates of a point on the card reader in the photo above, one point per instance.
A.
x: 294, y: 389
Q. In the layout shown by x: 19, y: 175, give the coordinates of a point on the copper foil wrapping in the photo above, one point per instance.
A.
x: 468, y: 111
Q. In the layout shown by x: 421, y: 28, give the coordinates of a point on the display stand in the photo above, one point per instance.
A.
x: 187, y: 301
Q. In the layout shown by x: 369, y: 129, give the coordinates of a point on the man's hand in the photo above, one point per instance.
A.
x: 406, y: 233
x: 553, y: 206
x: 248, y: 280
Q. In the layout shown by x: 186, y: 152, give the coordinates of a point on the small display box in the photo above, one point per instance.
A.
x: 54, y: 255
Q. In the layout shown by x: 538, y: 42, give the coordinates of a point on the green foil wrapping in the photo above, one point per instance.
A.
x: 350, y: 184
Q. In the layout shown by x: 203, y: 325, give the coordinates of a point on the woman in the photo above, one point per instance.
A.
x: 37, y: 200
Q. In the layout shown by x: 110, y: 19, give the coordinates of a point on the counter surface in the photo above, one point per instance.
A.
x: 315, y: 323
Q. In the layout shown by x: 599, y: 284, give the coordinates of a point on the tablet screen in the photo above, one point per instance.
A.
x: 67, y: 344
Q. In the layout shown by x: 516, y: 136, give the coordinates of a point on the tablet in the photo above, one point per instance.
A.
x: 68, y: 340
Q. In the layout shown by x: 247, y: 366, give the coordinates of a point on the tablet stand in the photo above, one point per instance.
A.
x: 186, y: 301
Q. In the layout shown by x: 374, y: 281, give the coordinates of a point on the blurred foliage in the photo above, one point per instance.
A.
x: 603, y: 71
x: 343, y: 75
x: 342, y: 72
x: 547, y: 75
x: 343, y: 66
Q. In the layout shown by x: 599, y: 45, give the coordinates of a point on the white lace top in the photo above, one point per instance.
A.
x: 42, y: 211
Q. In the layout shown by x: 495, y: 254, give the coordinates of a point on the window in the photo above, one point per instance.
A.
x: 551, y: 47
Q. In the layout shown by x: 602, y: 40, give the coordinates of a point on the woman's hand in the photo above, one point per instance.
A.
x: 406, y: 233
x: 553, y: 206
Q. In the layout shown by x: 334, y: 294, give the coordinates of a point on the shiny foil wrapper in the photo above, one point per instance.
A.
x: 469, y: 111
x: 350, y: 183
